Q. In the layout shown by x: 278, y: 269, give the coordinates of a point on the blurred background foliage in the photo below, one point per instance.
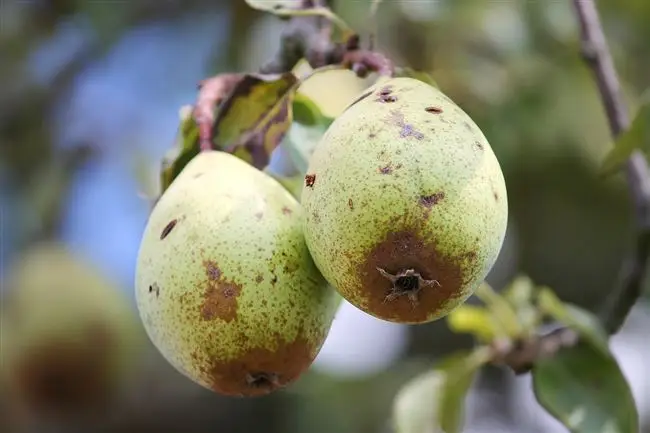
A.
x: 89, y: 100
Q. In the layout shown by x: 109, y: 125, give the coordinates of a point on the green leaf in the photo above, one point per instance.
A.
x: 185, y: 148
x: 584, y: 388
x: 502, y: 311
x: 293, y: 8
x: 636, y: 137
x: 583, y: 322
x: 252, y: 122
x: 435, y: 400
x: 307, y: 112
x: 300, y: 143
x: 418, y: 75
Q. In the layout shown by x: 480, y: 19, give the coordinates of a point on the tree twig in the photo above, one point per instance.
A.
x: 617, y: 307
x: 597, y: 55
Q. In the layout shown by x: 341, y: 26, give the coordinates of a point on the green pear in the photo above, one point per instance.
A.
x: 405, y: 203
x: 225, y: 285
x: 70, y: 337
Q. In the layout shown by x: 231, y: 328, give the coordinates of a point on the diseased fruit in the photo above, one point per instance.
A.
x: 405, y: 203
x: 70, y: 337
x: 225, y: 285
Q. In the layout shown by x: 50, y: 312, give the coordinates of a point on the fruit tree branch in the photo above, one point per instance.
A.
x: 599, y: 59
x: 597, y: 55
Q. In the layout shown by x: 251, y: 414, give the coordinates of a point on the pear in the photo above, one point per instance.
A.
x: 70, y: 337
x: 225, y: 285
x: 405, y: 203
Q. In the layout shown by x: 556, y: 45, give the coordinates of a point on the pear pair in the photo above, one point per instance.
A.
x: 403, y: 212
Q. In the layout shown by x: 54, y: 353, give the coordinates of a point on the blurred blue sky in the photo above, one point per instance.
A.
x: 126, y: 101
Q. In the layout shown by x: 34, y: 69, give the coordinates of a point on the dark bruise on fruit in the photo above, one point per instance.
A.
x: 254, y: 372
x: 286, y: 210
x: 168, y: 228
x: 406, y: 130
x: 429, y: 201
x: 65, y: 377
x: 350, y: 204
x: 220, y: 297
x: 310, y: 179
x: 432, y: 109
x: 401, y: 251
x: 409, y: 131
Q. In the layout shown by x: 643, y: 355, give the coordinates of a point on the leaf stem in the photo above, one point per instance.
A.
x: 598, y: 57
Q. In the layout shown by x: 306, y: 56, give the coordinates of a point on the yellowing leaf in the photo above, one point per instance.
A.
x: 636, y: 137
x: 254, y: 119
x: 584, y: 388
x: 502, y: 311
x: 473, y: 319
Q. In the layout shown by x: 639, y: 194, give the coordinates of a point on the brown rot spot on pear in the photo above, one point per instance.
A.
x: 286, y: 210
x: 212, y: 271
x: 220, y: 295
x: 350, y: 204
x: 388, y: 169
x: 168, y: 228
x: 154, y: 289
x: 404, y: 257
x: 429, y: 201
x: 259, y: 278
x: 310, y: 180
x: 468, y: 126
x: 470, y: 256
x: 260, y: 371
x: 433, y: 109
x: 478, y: 145
x: 495, y: 195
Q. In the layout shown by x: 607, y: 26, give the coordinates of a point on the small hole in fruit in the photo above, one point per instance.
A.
x: 407, y: 283
x: 262, y: 380
x: 310, y: 179
x: 168, y: 228
x: 154, y: 289
x: 432, y: 109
